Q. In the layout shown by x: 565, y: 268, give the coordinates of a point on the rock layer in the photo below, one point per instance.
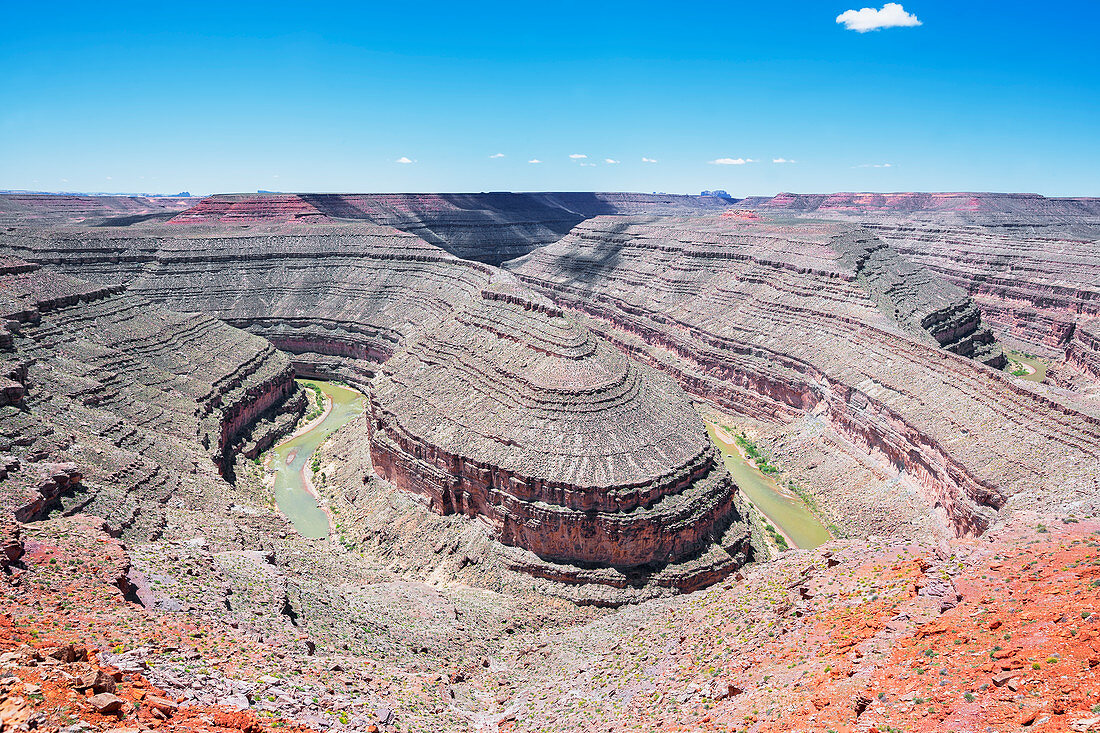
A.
x: 778, y: 320
x: 139, y: 401
x: 20, y: 210
x: 511, y: 412
x: 1029, y: 262
x: 489, y: 227
x: 490, y: 402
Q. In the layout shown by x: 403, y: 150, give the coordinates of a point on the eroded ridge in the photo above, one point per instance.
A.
x: 339, y: 300
x: 488, y: 227
x: 778, y: 321
x: 1029, y: 262
x: 133, y: 401
x: 511, y: 412
x: 489, y: 402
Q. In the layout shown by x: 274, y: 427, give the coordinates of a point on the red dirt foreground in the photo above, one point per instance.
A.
x: 64, y: 607
x: 835, y: 645
x: 991, y: 634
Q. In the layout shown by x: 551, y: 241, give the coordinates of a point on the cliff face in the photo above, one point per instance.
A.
x: 338, y: 300
x: 1036, y: 283
x: 486, y: 399
x: 1028, y: 262
x: 140, y: 401
x: 1018, y: 206
x: 511, y: 412
x: 488, y: 227
x: 838, y: 329
x: 818, y: 321
x: 51, y: 210
x: 917, y: 298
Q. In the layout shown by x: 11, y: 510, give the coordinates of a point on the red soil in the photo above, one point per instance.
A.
x: 852, y: 639
x: 67, y: 595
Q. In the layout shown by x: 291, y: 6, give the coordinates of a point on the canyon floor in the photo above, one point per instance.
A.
x: 871, y: 347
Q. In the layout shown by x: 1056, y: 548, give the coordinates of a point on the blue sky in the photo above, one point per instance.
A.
x: 240, y: 96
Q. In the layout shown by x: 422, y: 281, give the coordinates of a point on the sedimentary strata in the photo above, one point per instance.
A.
x: 810, y: 320
x: 123, y: 404
x: 1018, y: 207
x: 489, y: 227
x: 511, y: 412
x: 21, y: 210
x: 490, y: 402
x: 1029, y: 262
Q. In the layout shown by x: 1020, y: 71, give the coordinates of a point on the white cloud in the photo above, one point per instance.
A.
x: 110, y: 178
x: 731, y: 161
x: 534, y: 160
x: 588, y: 165
x: 497, y: 155
x: 648, y: 160
x: 577, y: 156
x: 876, y: 165
x: 403, y: 160
x: 891, y: 15
x: 610, y: 161
x: 783, y: 160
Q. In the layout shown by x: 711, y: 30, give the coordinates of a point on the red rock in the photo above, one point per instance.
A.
x: 159, y: 703
x: 105, y: 703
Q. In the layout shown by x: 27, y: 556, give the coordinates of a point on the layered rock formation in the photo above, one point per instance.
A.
x: 787, y: 321
x: 511, y: 412
x: 30, y: 209
x: 917, y: 298
x: 1029, y: 262
x: 131, y: 401
x: 489, y: 227
x: 796, y: 320
x: 838, y: 343
x: 1019, y: 207
x: 490, y: 402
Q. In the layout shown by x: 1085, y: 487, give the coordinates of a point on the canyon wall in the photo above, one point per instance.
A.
x: 789, y: 320
x: 488, y: 227
x: 31, y: 209
x: 1031, y: 263
x: 486, y: 399
x: 125, y: 406
x: 779, y: 320
x: 1018, y: 207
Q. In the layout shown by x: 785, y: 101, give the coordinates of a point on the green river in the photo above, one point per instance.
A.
x: 291, y: 460
x: 789, y: 513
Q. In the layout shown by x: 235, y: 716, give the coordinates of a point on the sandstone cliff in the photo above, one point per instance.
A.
x: 819, y: 325
x: 488, y: 401
x: 141, y: 402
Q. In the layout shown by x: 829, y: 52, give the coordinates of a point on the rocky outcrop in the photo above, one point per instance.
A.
x: 781, y: 320
x: 918, y: 298
x: 1029, y: 262
x: 125, y: 403
x: 512, y: 413
x: 488, y: 227
x: 1083, y: 349
x: 599, y: 461
x: 1034, y: 284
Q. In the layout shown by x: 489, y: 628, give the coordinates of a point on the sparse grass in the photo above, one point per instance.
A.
x: 754, y: 454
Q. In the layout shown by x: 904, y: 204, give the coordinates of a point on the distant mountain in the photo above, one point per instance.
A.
x: 27, y: 192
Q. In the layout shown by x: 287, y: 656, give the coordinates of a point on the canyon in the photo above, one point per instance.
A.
x: 531, y: 502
